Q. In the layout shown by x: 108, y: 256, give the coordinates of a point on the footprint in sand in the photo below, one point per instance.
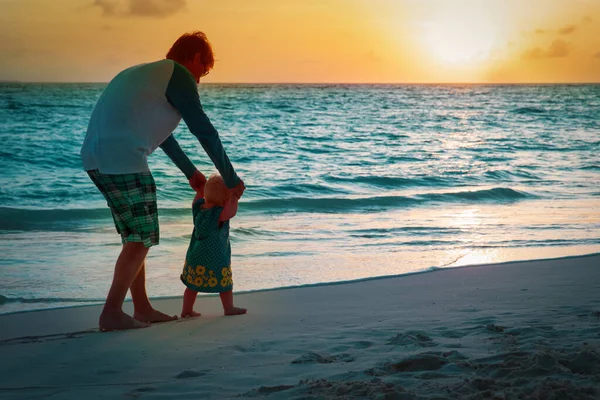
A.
x: 266, y: 391
x: 416, y: 363
x: 137, y: 392
x: 273, y: 389
x: 188, y: 374
x: 44, y: 338
x: 412, y: 338
x: 353, y: 389
x: 363, y: 344
x: 585, y: 361
x: 145, y: 389
x: 495, y: 328
x: 312, y: 358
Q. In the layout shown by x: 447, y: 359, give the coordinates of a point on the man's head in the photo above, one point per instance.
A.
x: 193, y: 51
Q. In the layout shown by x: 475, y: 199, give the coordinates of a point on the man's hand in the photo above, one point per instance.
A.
x: 239, y: 189
x: 197, y: 181
x: 230, y: 209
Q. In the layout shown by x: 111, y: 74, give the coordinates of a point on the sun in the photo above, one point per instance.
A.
x: 455, y: 45
x: 455, y: 38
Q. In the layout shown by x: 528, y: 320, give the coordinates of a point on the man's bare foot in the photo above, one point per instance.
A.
x: 154, y: 316
x: 190, y: 314
x: 119, y: 321
x: 235, y: 311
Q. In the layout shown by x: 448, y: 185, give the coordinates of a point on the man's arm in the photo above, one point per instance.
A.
x: 195, y: 177
x: 176, y: 154
x: 182, y: 93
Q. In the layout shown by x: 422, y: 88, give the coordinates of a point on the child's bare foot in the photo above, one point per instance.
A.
x: 119, y: 321
x: 235, y: 311
x: 154, y: 316
x: 190, y: 314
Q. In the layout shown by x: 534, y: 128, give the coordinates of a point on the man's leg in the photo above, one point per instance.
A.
x: 127, y: 267
x: 143, y: 309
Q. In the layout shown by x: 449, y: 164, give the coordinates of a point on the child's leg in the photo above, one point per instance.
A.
x: 228, y: 307
x: 189, y: 298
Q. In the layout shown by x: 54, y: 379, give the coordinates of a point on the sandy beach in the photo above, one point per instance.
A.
x: 505, y: 331
x: 405, y: 195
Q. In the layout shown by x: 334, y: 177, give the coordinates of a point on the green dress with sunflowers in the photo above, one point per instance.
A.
x: 207, y: 265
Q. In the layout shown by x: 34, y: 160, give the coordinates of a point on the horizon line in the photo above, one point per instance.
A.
x: 329, y: 83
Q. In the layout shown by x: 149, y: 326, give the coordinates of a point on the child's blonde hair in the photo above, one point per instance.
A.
x: 215, y: 190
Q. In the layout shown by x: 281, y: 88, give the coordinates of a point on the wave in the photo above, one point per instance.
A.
x: 380, y: 233
x: 593, y: 167
x: 380, y: 203
x: 388, y: 181
x: 73, y: 219
x: 64, y: 219
x: 529, y: 110
x: 494, y: 194
x: 30, y: 107
x: 505, y: 175
x: 401, y: 159
x: 309, y: 189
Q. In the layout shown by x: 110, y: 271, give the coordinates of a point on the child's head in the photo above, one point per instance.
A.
x: 215, y: 190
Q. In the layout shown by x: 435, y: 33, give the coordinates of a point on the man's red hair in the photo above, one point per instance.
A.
x: 188, y: 45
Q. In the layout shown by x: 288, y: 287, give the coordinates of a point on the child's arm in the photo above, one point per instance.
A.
x: 197, y: 182
x: 229, y: 210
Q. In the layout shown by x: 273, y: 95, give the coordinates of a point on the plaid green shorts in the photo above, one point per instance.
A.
x: 132, y: 201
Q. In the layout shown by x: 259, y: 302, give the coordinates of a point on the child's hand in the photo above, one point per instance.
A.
x: 230, y: 209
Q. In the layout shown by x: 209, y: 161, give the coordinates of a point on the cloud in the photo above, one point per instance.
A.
x: 540, y: 31
x: 587, y: 19
x: 155, y: 8
x: 140, y: 8
x: 27, y: 52
x: 597, y: 55
x: 109, y: 7
x: 558, y: 49
x: 567, y: 30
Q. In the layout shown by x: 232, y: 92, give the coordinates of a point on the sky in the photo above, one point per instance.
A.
x: 309, y: 41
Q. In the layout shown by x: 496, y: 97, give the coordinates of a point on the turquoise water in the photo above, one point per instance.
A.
x: 344, y: 182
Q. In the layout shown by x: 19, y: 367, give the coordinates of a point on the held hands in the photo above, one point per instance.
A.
x: 197, y: 182
x: 229, y: 209
x: 231, y: 203
x: 238, y: 190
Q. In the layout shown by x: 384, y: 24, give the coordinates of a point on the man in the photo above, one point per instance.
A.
x: 136, y: 113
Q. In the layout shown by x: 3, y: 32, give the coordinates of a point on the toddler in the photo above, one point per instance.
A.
x: 207, y: 265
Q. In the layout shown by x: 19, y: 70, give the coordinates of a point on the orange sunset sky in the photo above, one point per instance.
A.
x: 309, y: 41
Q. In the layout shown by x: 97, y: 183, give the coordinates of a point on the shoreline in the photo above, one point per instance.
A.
x: 93, y: 303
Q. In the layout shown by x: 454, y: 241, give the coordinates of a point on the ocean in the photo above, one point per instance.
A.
x: 344, y: 182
